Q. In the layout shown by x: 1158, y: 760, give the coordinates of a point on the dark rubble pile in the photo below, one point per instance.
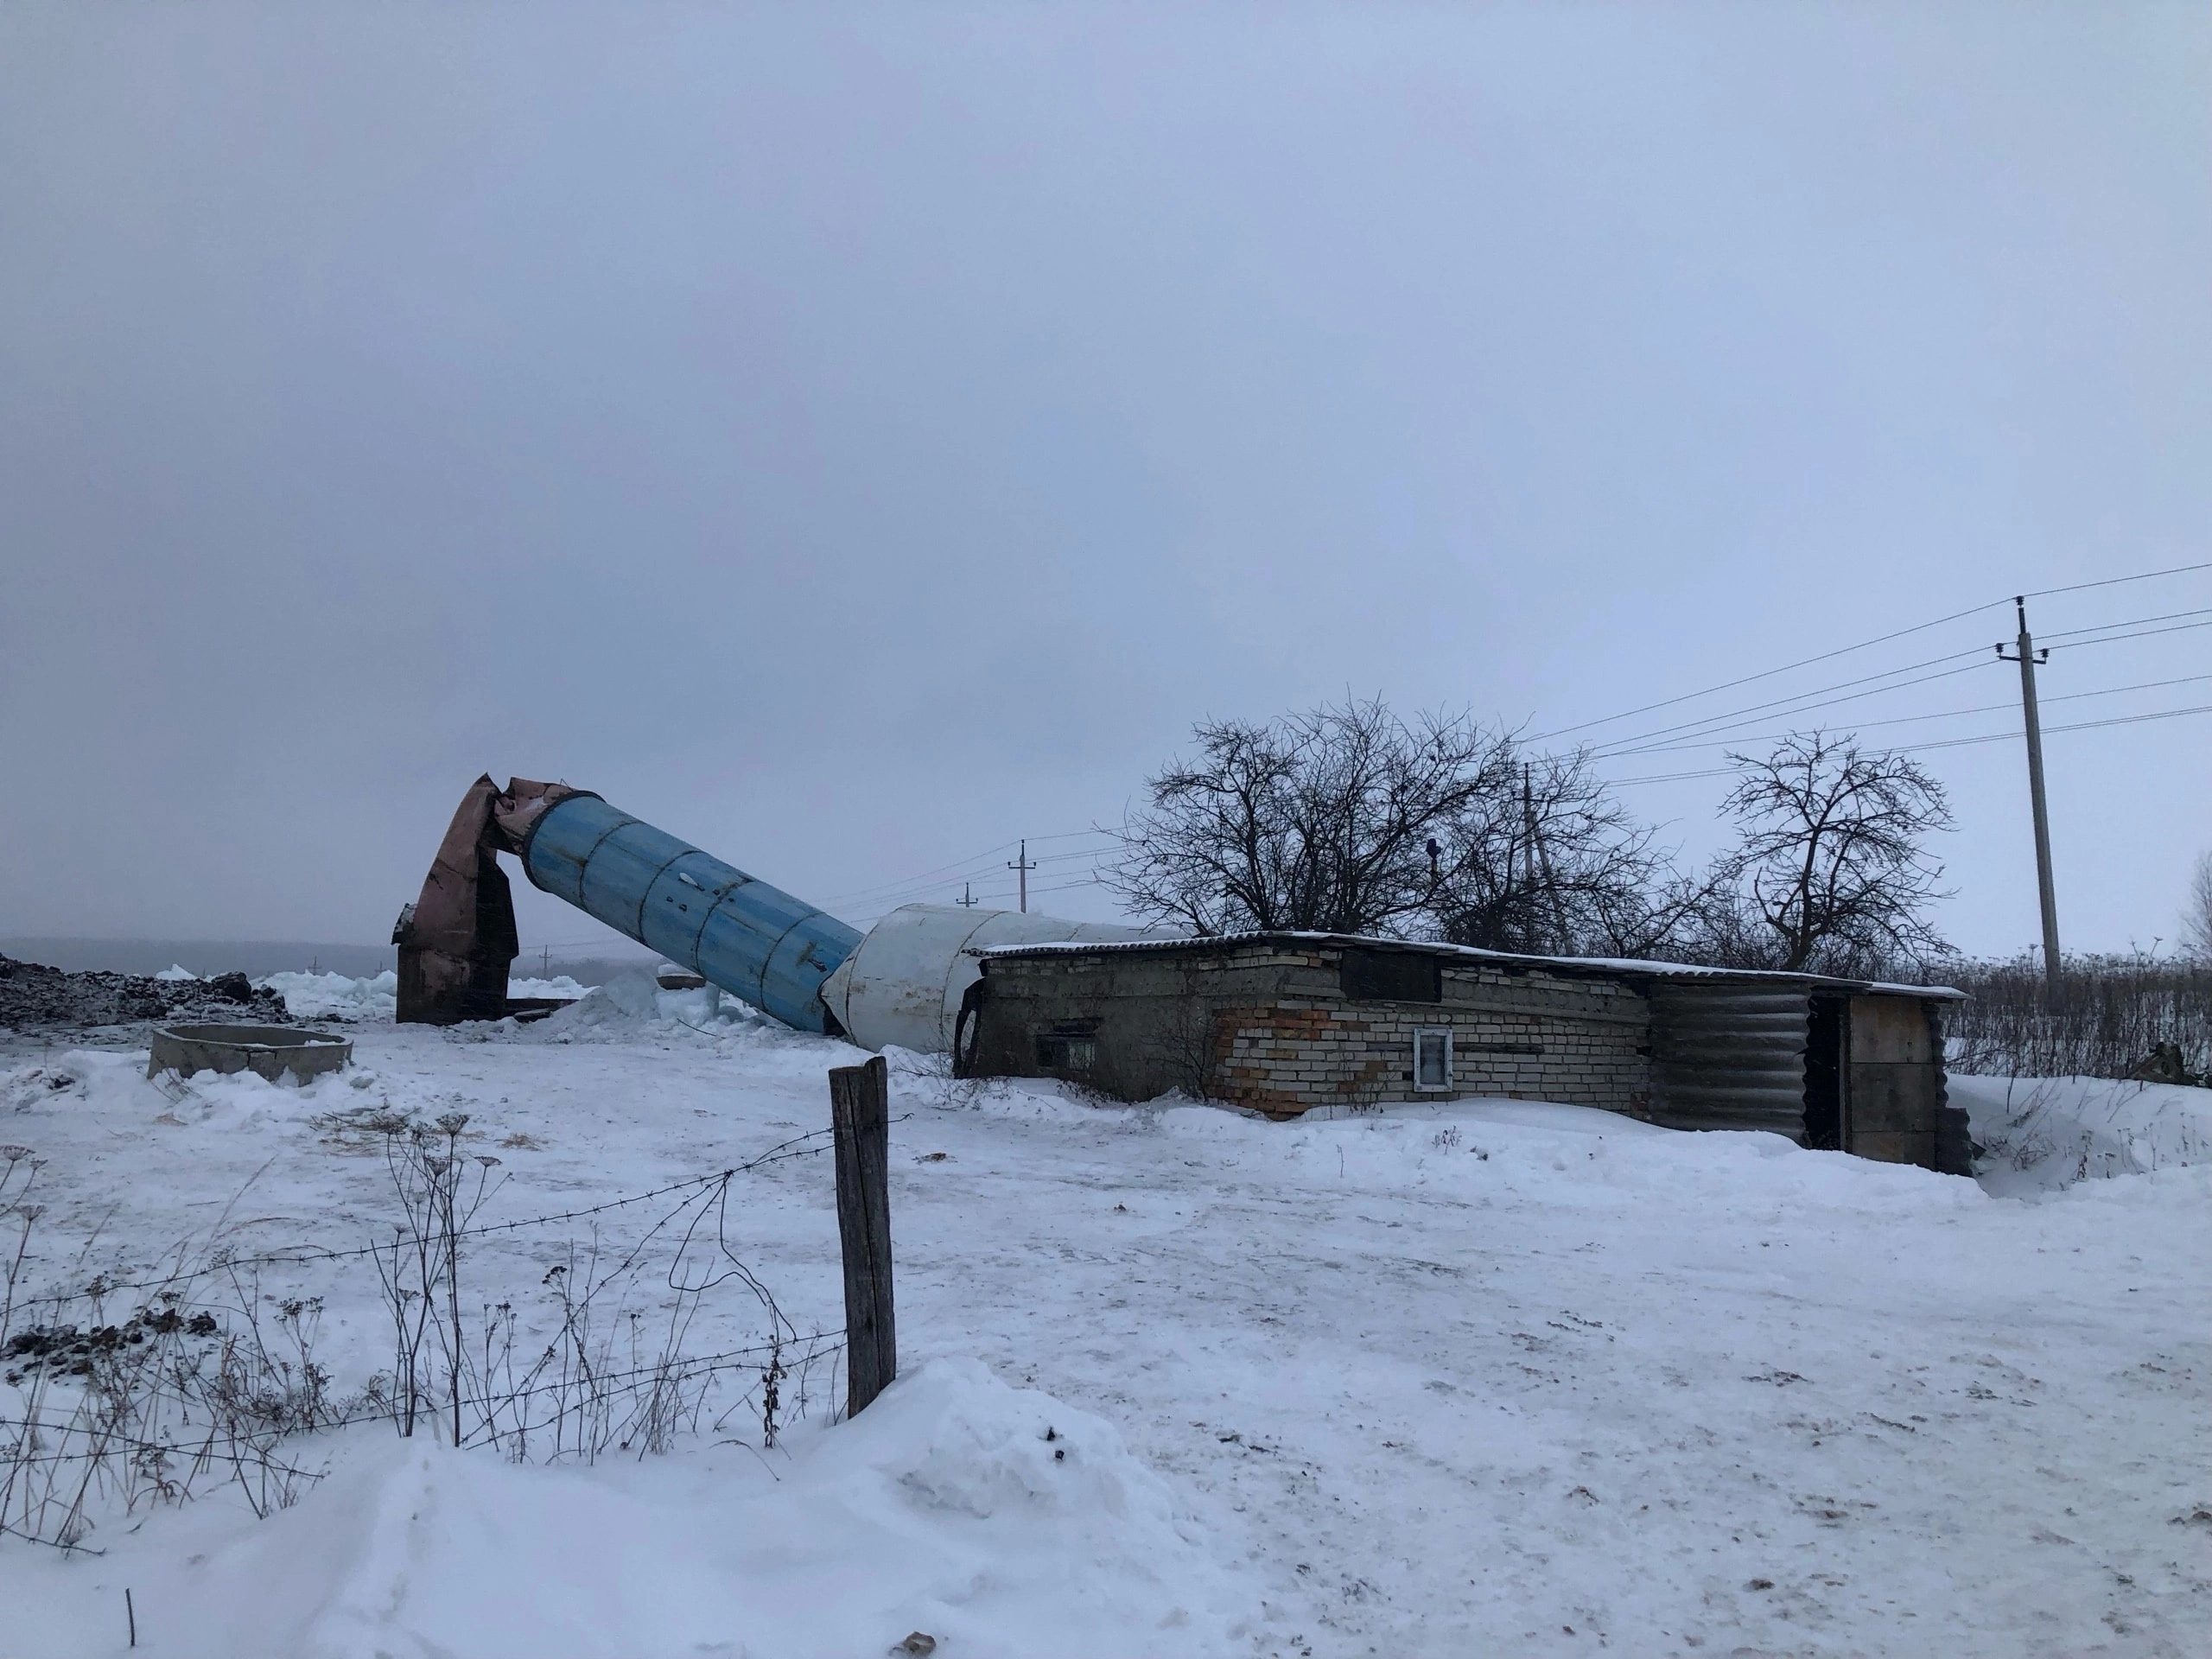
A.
x: 33, y: 997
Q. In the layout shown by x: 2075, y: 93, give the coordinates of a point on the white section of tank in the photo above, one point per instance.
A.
x: 903, y: 982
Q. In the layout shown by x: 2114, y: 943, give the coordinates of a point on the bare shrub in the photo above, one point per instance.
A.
x: 2197, y: 910
x: 213, y: 1378
x: 2111, y: 1015
x: 439, y: 1193
x: 152, y: 1408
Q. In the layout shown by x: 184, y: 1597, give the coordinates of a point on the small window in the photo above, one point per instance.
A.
x: 1391, y: 976
x: 1432, y: 1059
x: 1061, y: 1051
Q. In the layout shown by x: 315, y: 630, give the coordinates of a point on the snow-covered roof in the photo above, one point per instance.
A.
x: 1621, y: 967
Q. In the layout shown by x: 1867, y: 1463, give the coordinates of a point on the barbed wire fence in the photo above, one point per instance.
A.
x: 210, y: 1379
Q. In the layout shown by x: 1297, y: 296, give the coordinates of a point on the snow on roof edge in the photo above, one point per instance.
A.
x: 1623, y: 965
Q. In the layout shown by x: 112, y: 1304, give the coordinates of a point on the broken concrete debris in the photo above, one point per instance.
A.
x: 36, y: 998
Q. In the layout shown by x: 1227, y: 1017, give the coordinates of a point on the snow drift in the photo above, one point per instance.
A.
x: 999, y: 1520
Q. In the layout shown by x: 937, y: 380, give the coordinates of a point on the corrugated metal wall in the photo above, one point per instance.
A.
x: 1728, y: 1056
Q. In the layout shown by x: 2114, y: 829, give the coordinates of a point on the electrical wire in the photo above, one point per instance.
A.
x: 1906, y: 720
x: 1942, y: 743
x: 2077, y: 726
x: 1782, y: 705
x: 1768, y: 674
x: 1864, y: 645
x: 944, y: 876
x: 2142, y: 633
x: 1620, y: 746
x: 2134, y: 621
x: 2114, y: 582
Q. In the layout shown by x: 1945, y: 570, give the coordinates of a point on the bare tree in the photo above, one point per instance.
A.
x: 1323, y: 820
x: 1546, y: 861
x: 1830, y: 863
x: 2197, y: 910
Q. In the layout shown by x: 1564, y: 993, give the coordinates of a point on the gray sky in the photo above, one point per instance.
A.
x: 851, y: 438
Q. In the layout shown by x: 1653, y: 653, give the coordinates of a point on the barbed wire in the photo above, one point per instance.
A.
x: 809, y: 1347
x: 813, y: 1143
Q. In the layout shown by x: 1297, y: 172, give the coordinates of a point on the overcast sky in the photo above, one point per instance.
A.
x: 851, y: 438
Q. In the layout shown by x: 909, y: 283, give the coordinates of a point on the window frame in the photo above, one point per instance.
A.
x: 1064, y: 1050
x: 1421, y: 1032
x: 1369, y: 975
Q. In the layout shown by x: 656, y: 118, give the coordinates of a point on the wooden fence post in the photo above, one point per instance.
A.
x: 860, y: 1117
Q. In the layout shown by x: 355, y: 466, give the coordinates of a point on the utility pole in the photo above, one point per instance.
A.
x: 1022, y: 866
x: 2025, y: 654
x: 966, y: 899
x: 1541, y: 859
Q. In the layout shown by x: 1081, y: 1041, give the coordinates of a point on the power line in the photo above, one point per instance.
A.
x: 892, y: 895
x: 1906, y: 720
x: 1782, y: 705
x: 1768, y: 674
x: 1863, y: 644
x: 2078, y: 725
x: 2134, y: 621
x: 953, y: 871
x: 2140, y: 634
x: 1623, y: 745
x: 2114, y: 582
x: 1940, y: 743
x: 979, y: 864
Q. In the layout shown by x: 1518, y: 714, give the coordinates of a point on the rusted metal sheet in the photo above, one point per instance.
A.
x: 1727, y: 1055
x: 457, y: 940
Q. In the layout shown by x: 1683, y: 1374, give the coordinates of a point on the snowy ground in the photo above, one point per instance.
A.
x: 2042, y: 1134
x: 1486, y: 1377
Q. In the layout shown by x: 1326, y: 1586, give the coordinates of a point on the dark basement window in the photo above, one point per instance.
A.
x: 1066, y: 1051
x: 1392, y: 976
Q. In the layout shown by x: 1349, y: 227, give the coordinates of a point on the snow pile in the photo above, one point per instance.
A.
x: 336, y: 996
x: 1000, y: 1522
x: 116, y: 1089
x: 2040, y: 1134
x: 559, y: 985
x: 632, y: 1005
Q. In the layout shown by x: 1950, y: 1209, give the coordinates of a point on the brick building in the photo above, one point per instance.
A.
x: 1285, y: 1023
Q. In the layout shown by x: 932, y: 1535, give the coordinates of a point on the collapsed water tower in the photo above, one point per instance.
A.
x: 900, y: 983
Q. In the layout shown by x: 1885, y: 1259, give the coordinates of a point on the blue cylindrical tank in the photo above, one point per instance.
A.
x: 754, y: 941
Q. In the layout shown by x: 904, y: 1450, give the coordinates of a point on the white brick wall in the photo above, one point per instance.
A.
x: 1294, y: 1054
